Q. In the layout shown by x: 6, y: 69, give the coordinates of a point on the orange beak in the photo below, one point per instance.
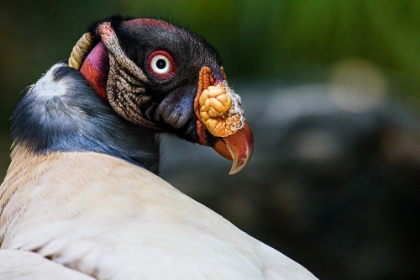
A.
x: 237, y: 147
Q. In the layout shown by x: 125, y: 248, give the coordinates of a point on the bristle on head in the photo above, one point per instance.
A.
x: 152, y: 22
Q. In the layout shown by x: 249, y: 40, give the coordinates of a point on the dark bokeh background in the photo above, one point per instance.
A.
x: 331, y: 89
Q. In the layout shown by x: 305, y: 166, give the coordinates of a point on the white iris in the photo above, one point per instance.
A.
x: 160, y: 64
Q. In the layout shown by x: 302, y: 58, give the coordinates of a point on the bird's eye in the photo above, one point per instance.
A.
x: 161, y: 64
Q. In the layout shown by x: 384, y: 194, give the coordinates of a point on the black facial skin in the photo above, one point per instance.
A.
x: 172, y: 98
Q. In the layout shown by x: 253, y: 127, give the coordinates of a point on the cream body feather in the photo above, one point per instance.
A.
x: 110, y: 219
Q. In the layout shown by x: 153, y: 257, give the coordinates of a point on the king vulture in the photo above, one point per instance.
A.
x: 81, y: 198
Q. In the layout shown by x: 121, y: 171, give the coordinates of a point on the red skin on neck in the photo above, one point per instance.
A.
x: 95, y: 69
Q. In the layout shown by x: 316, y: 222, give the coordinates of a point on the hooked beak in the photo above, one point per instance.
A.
x: 237, y: 147
x: 219, y: 113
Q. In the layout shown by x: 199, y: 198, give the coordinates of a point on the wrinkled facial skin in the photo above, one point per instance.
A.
x: 167, y: 79
x: 169, y: 100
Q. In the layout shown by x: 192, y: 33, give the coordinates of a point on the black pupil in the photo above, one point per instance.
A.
x: 161, y: 64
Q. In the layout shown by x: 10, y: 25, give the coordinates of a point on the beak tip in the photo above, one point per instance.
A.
x: 235, y: 169
x: 239, y: 163
x: 237, y: 147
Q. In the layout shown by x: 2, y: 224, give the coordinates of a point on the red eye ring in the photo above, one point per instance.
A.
x: 161, y: 64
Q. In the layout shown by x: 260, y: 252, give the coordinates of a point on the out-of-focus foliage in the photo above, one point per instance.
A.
x: 288, y: 40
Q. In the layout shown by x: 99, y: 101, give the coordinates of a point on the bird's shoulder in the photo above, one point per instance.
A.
x: 108, y: 218
x: 21, y: 265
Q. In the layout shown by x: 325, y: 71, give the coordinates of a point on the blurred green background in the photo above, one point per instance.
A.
x: 284, y: 41
x: 276, y: 42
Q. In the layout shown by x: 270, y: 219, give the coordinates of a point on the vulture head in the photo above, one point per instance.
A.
x: 166, y: 79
